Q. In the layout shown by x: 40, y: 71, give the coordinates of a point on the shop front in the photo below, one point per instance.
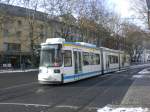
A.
x: 15, y: 59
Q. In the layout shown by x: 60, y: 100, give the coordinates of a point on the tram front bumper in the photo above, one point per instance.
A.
x: 45, y: 78
x: 50, y: 82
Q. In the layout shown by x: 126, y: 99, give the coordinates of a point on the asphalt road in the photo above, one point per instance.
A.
x: 20, y: 92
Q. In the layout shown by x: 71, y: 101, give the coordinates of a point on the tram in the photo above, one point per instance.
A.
x: 63, y: 62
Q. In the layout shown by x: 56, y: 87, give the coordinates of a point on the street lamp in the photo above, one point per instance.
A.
x: 148, y: 5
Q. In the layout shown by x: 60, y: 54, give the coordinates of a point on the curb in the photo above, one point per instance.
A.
x: 17, y: 71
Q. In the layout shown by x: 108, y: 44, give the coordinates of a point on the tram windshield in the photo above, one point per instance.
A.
x: 51, y: 56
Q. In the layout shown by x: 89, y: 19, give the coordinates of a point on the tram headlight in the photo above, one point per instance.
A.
x: 56, y: 71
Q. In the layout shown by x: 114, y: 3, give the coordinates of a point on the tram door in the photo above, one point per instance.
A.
x: 77, y: 62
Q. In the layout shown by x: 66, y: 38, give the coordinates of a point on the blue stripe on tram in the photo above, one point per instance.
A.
x: 80, y: 74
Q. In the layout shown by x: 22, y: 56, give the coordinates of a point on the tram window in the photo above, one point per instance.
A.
x: 97, y: 59
x: 85, y: 58
x: 113, y: 59
x: 128, y: 59
x: 93, y: 61
x: 124, y: 59
x: 67, y: 58
x: 116, y: 59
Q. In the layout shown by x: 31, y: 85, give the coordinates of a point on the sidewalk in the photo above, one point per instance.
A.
x: 137, y: 98
x: 139, y: 92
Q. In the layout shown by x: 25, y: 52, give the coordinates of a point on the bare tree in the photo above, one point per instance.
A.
x: 4, y: 17
x: 141, y: 11
x: 94, y: 17
x: 61, y: 10
x: 134, y: 40
x: 32, y: 17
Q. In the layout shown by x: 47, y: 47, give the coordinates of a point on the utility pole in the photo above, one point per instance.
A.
x: 148, y: 13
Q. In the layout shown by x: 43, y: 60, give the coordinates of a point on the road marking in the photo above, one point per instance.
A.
x: 42, y: 105
x: 121, y: 71
x: 16, y: 86
x: 137, y: 76
x: 145, y: 71
x: 67, y: 106
x: 140, y: 76
x: 122, y: 109
x: 25, y: 104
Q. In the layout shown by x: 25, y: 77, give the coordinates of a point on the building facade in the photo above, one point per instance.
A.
x: 15, y: 31
x: 19, y: 30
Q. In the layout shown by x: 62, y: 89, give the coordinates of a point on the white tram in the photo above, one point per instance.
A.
x: 63, y: 62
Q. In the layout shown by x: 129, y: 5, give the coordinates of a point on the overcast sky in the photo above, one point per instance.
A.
x: 123, y: 7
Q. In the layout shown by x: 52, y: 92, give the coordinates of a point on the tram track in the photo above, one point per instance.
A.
x: 95, y: 86
x: 108, y: 90
x: 22, y: 87
x: 115, y: 79
x: 17, y: 92
x: 83, y: 93
x: 29, y: 88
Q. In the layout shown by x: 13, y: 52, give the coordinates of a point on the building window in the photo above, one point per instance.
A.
x: 41, y: 27
x: 67, y: 58
x: 57, y: 34
x: 19, y: 22
x: 18, y: 34
x: 35, y: 47
x: 12, y: 47
x: 41, y: 35
x: 5, y: 33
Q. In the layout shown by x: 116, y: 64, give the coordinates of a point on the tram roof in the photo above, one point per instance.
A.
x: 83, y: 44
x: 62, y: 41
x: 112, y: 50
